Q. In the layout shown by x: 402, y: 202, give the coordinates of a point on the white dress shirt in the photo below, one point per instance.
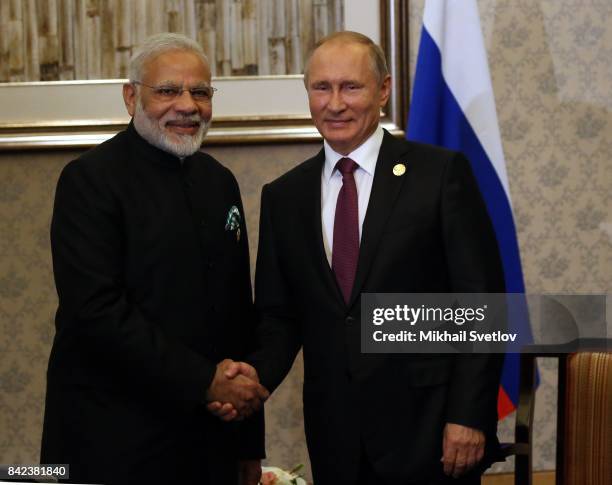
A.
x: 365, y: 155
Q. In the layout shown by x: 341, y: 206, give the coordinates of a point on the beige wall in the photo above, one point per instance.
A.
x: 552, y: 75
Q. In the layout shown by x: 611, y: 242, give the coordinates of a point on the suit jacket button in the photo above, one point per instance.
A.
x: 349, y: 375
x: 349, y: 320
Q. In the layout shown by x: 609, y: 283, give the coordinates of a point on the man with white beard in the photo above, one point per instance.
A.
x: 151, y: 265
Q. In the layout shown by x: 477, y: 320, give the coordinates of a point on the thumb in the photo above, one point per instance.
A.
x: 248, y: 371
x: 232, y: 370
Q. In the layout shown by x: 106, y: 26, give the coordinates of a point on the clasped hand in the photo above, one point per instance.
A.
x: 235, y: 392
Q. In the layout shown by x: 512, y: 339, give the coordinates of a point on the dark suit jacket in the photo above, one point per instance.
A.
x: 153, y: 292
x: 425, y: 231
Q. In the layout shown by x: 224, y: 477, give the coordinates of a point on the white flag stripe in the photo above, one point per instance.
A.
x: 454, y: 25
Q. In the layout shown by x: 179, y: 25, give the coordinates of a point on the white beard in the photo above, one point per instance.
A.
x: 154, y: 131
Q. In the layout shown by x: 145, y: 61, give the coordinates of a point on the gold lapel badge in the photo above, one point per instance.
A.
x: 399, y: 169
x: 238, y: 235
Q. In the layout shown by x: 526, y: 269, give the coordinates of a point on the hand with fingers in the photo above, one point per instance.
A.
x: 235, y: 392
x: 462, y: 448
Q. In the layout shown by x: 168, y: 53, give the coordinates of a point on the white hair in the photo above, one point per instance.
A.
x: 159, y: 44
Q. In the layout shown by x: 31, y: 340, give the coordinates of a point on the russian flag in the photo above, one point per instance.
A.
x: 453, y: 106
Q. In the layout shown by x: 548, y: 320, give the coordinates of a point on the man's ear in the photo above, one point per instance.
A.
x: 385, y: 91
x: 130, y: 98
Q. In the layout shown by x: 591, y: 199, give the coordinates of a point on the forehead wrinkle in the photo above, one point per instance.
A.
x: 336, y: 81
x: 340, y: 57
x: 171, y: 82
x: 175, y: 62
x: 334, y: 53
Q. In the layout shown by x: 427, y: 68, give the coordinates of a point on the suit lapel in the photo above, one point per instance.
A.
x: 311, y: 215
x: 385, y: 189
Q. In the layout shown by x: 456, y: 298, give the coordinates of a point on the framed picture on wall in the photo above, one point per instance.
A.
x: 59, y: 87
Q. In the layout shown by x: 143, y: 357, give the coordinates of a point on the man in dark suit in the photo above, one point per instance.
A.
x: 370, y: 213
x: 151, y: 265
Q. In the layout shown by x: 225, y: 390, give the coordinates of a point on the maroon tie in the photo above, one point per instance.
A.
x: 345, y: 251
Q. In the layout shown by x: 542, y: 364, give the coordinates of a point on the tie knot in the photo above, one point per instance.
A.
x: 346, y: 166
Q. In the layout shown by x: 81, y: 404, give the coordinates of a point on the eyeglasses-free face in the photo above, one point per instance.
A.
x: 344, y: 94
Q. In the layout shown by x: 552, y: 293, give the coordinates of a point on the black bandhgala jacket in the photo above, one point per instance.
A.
x: 154, y: 289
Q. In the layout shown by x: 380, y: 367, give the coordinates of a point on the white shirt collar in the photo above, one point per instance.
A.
x: 365, y: 154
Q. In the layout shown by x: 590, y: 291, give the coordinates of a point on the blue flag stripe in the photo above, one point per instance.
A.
x: 437, y: 118
x: 440, y: 121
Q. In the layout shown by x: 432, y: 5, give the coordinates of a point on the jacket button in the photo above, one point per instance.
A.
x: 349, y: 320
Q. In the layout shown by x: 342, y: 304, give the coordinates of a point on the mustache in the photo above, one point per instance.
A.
x: 193, y: 118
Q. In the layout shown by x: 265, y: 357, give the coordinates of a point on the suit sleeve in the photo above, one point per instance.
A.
x: 475, y: 267
x: 96, y: 317
x: 278, y: 334
x: 252, y: 437
x: 252, y: 430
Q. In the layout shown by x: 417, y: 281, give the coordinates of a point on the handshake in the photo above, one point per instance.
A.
x: 235, y: 392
